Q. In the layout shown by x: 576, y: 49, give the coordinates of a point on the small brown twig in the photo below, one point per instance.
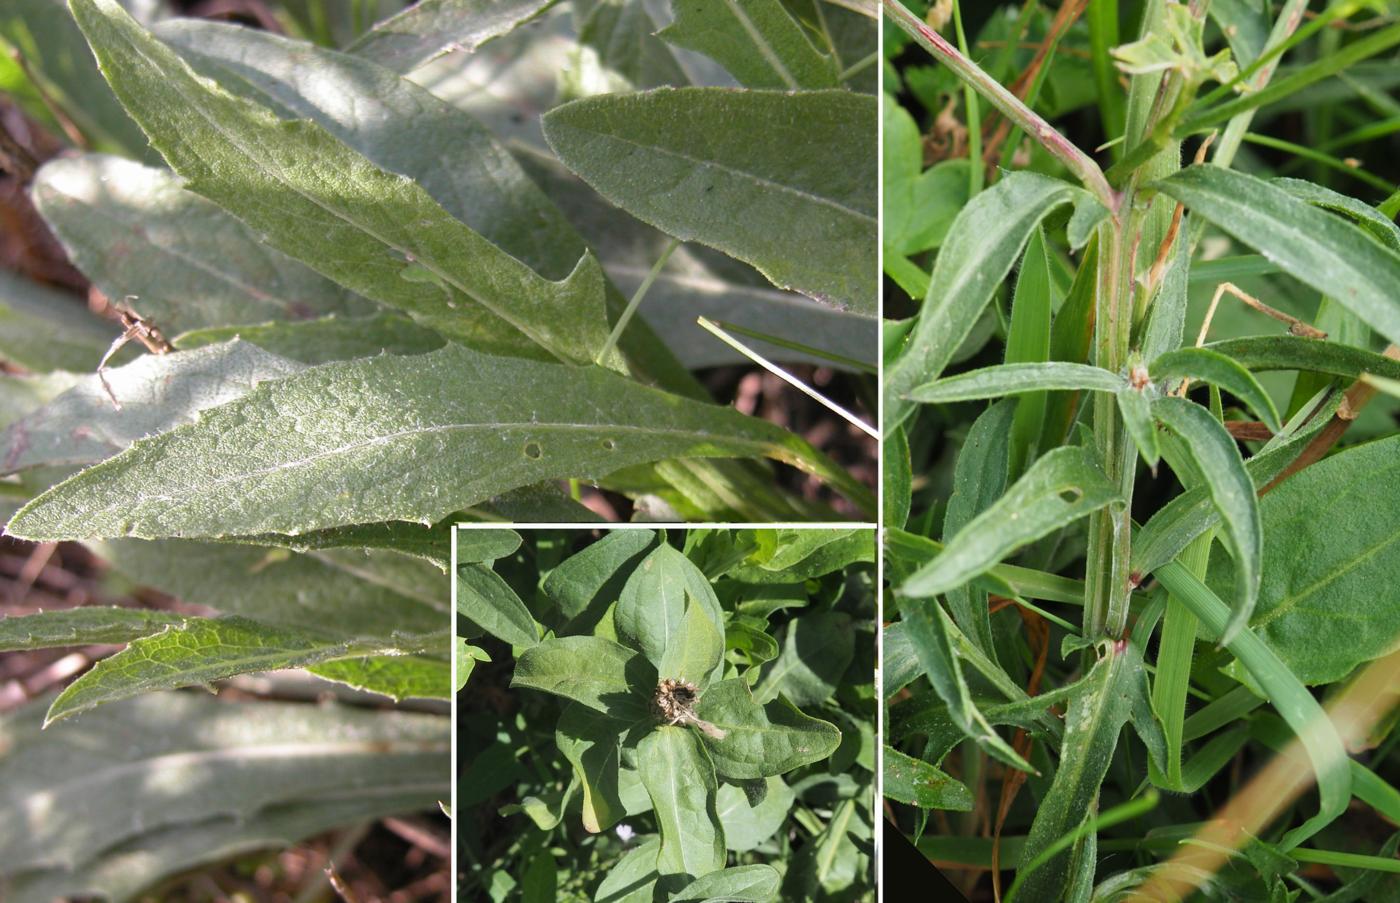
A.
x: 1249, y: 430
x: 1295, y: 326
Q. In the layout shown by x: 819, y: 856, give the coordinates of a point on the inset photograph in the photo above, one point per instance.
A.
x: 665, y: 715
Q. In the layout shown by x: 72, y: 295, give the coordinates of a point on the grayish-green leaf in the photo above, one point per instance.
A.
x: 680, y: 780
x: 1286, y: 352
x: 324, y: 339
x: 739, y: 884
x: 156, y: 391
x: 318, y: 200
x: 1219, y: 370
x: 1366, y: 216
x: 1062, y: 486
x: 1016, y: 379
x: 746, y: 824
x: 486, y: 600
x: 984, y: 241
x: 202, y: 650
x: 623, y: 35
x: 134, y: 231
x: 1331, y: 539
x: 394, y: 446
x: 430, y: 543
x: 82, y: 626
x: 593, y: 671
x: 1310, y: 245
x: 786, y: 182
x: 917, y: 783
x: 1166, y: 318
x: 149, y: 771
x: 19, y: 395
x: 42, y: 329
x: 1136, y: 409
x: 817, y: 650
x: 760, y: 740
x: 430, y: 28
x: 593, y: 745
x: 1217, y: 457
x: 757, y: 41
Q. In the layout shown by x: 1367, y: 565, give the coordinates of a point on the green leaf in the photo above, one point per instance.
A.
x: 476, y: 545
x: 156, y: 391
x: 201, y: 650
x: 653, y: 601
x: 757, y: 41
x: 325, y: 339
x: 761, y: 740
x: 739, y: 884
x: 695, y: 649
x: 1061, y: 487
x: 817, y: 650
x: 431, y: 28
x: 918, y: 205
x: 305, y: 190
x: 1331, y: 533
x: 748, y: 824
x: 1136, y: 409
x: 1218, y: 370
x: 680, y: 780
x: 1310, y: 245
x: 1166, y: 318
x: 1382, y: 227
x: 1232, y: 492
x: 1028, y: 342
x: 1286, y: 352
x: 928, y: 630
x: 133, y: 230
x: 384, y: 456
x: 486, y: 600
x: 593, y: 746
x: 463, y: 662
x: 430, y: 543
x: 633, y: 879
x: 1288, y: 695
x: 983, y: 243
x: 346, y: 594
x: 396, y: 676
x: 82, y: 626
x: 917, y: 783
x: 590, y: 670
x: 806, y: 554
x: 594, y: 577
x: 541, y: 879
x: 623, y: 34
x: 1017, y: 379
x: 897, y: 478
x: 786, y: 182
x: 226, y: 770
x: 42, y: 329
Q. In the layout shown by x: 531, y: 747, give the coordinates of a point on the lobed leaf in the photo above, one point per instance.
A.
x: 785, y: 182
x: 1061, y: 487
x: 394, y: 447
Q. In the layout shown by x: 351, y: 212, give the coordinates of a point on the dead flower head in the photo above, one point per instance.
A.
x: 674, y: 702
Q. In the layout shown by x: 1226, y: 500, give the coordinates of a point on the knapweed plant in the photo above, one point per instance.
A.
x: 1113, y: 501
x: 690, y: 716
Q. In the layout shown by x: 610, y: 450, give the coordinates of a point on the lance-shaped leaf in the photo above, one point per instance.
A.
x: 591, y: 670
x: 680, y: 780
x: 1289, y: 697
x: 695, y: 649
x: 739, y: 884
x: 485, y: 599
x: 321, y: 202
x: 593, y: 746
x: 1287, y: 352
x: 984, y: 241
x: 431, y: 28
x: 786, y: 182
x: 928, y: 628
x: 81, y: 626
x: 145, y: 771
x: 1104, y: 702
x: 762, y: 740
x: 156, y: 391
x: 1232, y: 492
x: 1062, y: 486
x: 284, y: 459
x: 1166, y: 318
x: 1218, y: 370
x: 1136, y: 409
x: 917, y: 783
x: 1190, y: 514
x: 1308, y: 244
x: 1017, y: 379
x: 133, y: 230
x: 1382, y: 227
x: 1320, y: 612
x: 757, y: 41
x: 653, y: 602
x: 202, y: 650
x: 324, y: 339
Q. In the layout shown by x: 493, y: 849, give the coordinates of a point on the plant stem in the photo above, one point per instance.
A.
x: 1060, y: 147
x: 636, y: 301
